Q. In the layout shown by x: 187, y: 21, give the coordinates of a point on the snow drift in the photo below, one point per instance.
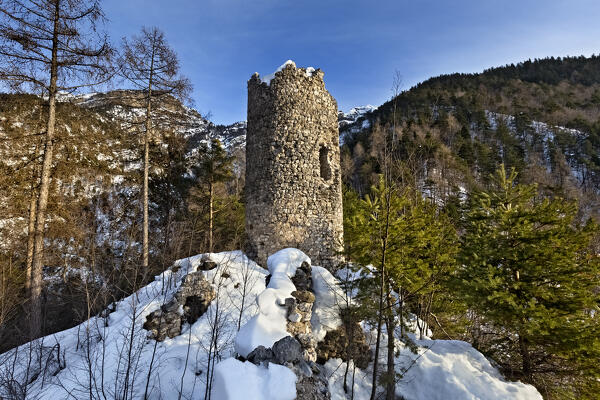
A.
x: 111, y: 355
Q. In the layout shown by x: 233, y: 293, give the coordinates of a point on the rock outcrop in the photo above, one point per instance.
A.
x: 187, y: 305
x: 346, y: 342
x: 299, y: 311
x: 311, y: 381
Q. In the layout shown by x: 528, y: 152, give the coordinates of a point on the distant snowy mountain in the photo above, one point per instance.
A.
x: 126, y: 104
x: 355, y: 119
x: 195, y: 127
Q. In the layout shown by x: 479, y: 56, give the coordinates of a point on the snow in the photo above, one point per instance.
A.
x: 268, y: 78
x: 236, y: 380
x: 329, y: 299
x: 356, y: 112
x: 453, y: 369
x: 442, y: 370
x: 94, y: 355
x: 547, y: 133
x: 98, y: 347
x: 269, y: 325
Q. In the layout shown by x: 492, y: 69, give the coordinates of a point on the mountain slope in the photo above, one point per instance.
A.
x: 541, y: 117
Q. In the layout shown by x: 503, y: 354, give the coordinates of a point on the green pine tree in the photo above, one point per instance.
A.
x: 527, y: 270
x: 411, y: 246
x: 214, y: 167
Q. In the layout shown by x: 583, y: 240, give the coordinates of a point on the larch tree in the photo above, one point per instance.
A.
x: 149, y: 64
x: 54, y: 46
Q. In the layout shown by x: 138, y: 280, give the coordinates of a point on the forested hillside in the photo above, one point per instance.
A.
x: 540, y: 117
x: 94, y: 210
x: 454, y: 141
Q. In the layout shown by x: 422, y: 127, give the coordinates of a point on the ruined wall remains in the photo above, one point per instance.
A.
x: 293, y: 183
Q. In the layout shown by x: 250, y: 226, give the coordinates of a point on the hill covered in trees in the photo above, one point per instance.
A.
x: 541, y: 117
x: 453, y: 140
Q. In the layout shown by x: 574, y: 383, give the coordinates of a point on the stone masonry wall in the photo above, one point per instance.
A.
x: 293, y: 183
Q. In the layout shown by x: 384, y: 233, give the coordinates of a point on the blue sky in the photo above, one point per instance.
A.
x: 358, y: 44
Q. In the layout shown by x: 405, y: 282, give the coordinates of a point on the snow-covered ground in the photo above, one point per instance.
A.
x: 106, y: 357
x: 441, y: 370
x: 269, y: 324
x: 111, y: 356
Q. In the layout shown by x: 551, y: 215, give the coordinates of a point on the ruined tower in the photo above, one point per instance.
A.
x: 293, y: 183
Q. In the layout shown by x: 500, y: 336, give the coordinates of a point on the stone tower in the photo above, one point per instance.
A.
x: 293, y: 183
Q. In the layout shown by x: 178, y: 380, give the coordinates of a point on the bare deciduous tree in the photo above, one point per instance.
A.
x: 150, y: 64
x: 55, y: 46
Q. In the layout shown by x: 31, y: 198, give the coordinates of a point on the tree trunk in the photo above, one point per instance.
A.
x: 379, y: 320
x: 145, y: 226
x: 346, y: 374
x: 391, y: 372
x: 524, y: 350
x: 35, y: 176
x: 382, y: 293
x: 31, y: 232
x: 210, y: 217
x: 145, y: 195
x: 378, y: 341
x: 401, y: 312
x: 40, y: 219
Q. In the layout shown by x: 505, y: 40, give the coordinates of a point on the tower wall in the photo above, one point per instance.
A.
x: 293, y: 183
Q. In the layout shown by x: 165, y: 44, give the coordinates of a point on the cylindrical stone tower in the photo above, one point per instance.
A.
x: 293, y: 183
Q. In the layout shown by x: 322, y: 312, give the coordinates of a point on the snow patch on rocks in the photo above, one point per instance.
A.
x: 268, y: 78
x: 329, y: 300
x: 269, y: 325
x: 237, y: 380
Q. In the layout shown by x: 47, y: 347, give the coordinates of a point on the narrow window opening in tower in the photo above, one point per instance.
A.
x: 324, y: 161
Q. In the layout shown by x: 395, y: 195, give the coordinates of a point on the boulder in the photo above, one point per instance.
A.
x: 313, y: 386
x: 287, y: 350
x: 347, y: 341
x: 163, y: 324
x: 294, y: 317
x: 307, y: 340
x: 290, y: 305
x: 206, y: 264
x: 261, y: 354
x: 304, y: 296
x: 303, y: 277
x: 188, y: 304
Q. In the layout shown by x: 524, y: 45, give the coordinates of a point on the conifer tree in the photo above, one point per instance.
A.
x: 150, y: 64
x: 411, y: 246
x: 214, y: 166
x: 527, y: 270
x: 53, y: 46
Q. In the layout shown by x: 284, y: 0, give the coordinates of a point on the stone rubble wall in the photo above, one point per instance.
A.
x: 293, y: 181
x: 298, y: 351
x: 188, y: 304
